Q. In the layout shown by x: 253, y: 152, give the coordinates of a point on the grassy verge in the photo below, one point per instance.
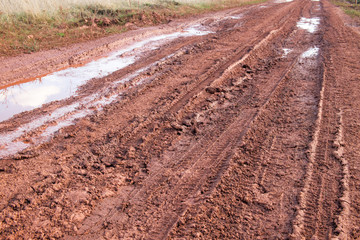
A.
x: 38, y: 29
x: 350, y: 8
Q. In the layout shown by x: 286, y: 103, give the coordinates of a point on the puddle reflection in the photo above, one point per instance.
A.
x: 310, y: 53
x: 309, y: 24
x: 64, y: 84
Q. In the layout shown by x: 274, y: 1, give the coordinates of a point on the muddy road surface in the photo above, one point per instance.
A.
x: 241, y: 124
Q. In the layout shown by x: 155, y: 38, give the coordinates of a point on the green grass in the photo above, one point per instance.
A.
x: 349, y: 7
x: 31, y: 25
x: 352, y: 12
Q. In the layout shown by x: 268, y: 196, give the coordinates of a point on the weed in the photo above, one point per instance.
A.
x: 30, y: 46
x: 60, y: 34
x: 349, y: 7
x: 352, y: 12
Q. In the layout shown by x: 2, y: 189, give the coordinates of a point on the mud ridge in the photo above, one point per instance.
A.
x: 342, y: 231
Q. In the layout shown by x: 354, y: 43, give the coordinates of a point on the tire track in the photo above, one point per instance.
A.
x: 299, y: 222
x: 214, y: 74
x: 317, y: 200
x: 342, y: 229
x: 255, y: 177
x: 341, y: 56
x: 325, y: 211
x: 220, y: 151
x: 207, y: 156
x: 321, y: 193
x: 223, y: 150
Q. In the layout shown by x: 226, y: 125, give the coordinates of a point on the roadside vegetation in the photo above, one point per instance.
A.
x: 350, y: 7
x: 32, y: 25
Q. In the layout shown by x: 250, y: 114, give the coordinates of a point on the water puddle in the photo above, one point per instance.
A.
x: 309, y: 24
x: 286, y: 52
x: 50, y: 87
x: 64, y: 84
x: 283, y: 1
x: 13, y: 142
x: 239, y: 16
x: 216, y: 22
x: 310, y: 53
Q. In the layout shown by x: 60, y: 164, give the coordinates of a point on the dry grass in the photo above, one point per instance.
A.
x: 31, y: 25
x: 51, y: 6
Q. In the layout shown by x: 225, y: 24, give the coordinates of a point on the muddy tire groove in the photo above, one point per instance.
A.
x: 150, y: 119
x: 219, y: 155
x: 219, y: 149
x: 233, y: 65
x: 212, y: 75
x: 342, y: 75
x: 224, y: 152
x: 209, y: 76
x: 314, y: 206
x: 197, y: 152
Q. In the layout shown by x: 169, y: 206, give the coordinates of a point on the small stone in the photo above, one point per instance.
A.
x: 107, y: 193
x: 228, y: 96
x: 81, y: 172
x: 211, y: 90
x: 77, y: 217
x: 176, y: 126
x: 57, y: 187
x: 239, y: 81
x: 186, y: 122
x: 109, y: 161
x: 131, y: 152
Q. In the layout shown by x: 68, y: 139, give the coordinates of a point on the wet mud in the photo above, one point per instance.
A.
x: 241, y: 124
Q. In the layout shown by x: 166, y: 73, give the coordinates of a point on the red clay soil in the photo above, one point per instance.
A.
x: 232, y: 137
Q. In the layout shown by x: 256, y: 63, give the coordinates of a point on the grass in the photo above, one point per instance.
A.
x: 349, y: 7
x: 28, y: 26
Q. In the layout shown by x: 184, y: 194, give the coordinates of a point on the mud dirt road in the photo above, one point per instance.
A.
x: 242, y: 124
